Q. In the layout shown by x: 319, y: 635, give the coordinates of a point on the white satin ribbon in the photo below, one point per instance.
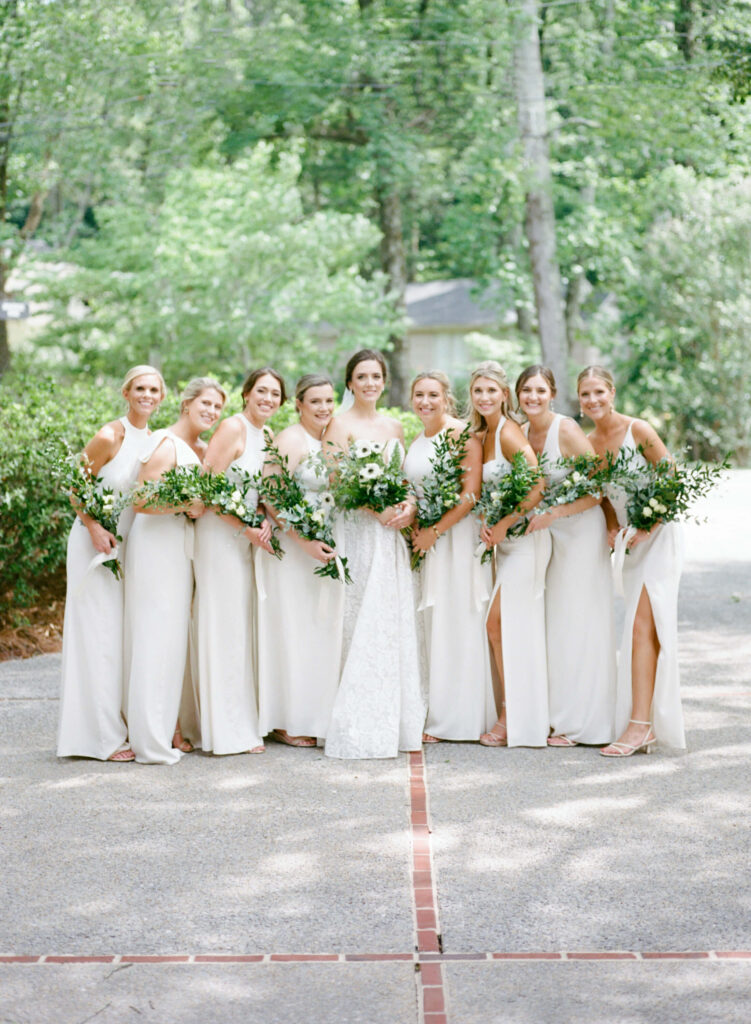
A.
x: 428, y: 581
x: 259, y: 573
x: 622, y: 541
x: 541, y: 562
x: 189, y: 539
x: 479, y: 585
x: 99, y: 559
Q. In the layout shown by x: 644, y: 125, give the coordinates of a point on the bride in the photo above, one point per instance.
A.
x: 379, y: 709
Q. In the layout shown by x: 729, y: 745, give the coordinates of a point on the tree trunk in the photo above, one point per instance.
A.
x: 540, y: 217
x: 684, y: 21
x: 394, y: 264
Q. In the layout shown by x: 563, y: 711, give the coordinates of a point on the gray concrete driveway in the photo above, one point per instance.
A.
x: 554, y: 885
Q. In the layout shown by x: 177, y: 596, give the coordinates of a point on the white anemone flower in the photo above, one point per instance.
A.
x: 363, y: 448
x: 370, y: 472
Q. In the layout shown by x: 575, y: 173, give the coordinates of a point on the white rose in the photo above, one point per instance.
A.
x: 654, y: 502
x: 576, y: 477
x: 646, y: 511
x: 236, y: 496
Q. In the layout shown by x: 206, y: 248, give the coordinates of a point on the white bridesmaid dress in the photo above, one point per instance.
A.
x: 158, y: 595
x: 655, y: 565
x: 453, y: 591
x: 91, y: 722
x: 379, y: 708
x: 299, y: 631
x: 579, y: 621
x: 223, y: 622
x: 520, y: 576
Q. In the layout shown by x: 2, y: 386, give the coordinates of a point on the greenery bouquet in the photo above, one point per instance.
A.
x: 99, y: 502
x: 310, y: 516
x: 581, y: 480
x: 504, y: 494
x: 238, y: 496
x: 441, y: 488
x: 661, y: 492
x: 365, y: 478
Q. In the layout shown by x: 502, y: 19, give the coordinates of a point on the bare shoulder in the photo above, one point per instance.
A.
x: 105, y: 444
x: 512, y: 433
x: 230, y: 429
x: 292, y: 441
x: 393, y: 426
x: 646, y: 437
x: 572, y: 439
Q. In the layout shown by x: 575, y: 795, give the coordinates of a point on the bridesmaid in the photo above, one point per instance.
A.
x: 378, y: 709
x: 454, y: 587
x: 648, y: 703
x: 159, y: 589
x: 516, y: 619
x: 298, y: 678
x: 225, y: 609
x: 578, y: 588
x: 91, y: 722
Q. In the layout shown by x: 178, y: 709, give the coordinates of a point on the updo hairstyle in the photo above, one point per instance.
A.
x: 445, y: 383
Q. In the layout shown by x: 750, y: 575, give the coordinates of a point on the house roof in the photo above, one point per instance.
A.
x: 453, y: 303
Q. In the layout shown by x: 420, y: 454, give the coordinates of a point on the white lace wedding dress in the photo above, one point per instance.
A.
x: 379, y: 708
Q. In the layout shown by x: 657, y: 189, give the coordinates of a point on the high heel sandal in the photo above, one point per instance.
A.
x: 626, y: 749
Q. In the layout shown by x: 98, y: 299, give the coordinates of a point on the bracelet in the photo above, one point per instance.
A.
x: 434, y: 528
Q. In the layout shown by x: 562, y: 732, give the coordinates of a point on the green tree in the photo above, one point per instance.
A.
x: 226, y: 271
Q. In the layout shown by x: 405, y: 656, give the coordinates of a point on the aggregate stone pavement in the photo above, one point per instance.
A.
x: 291, y: 853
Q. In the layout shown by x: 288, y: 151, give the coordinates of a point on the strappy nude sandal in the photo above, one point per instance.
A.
x: 620, y: 749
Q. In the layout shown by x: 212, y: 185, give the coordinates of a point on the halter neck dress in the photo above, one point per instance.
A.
x: 653, y: 565
x: 379, y: 708
x: 520, y: 574
x: 299, y: 627
x: 453, y: 589
x: 158, y: 595
x: 91, y: 723
x: 224, y: 616
x: 579, y: 622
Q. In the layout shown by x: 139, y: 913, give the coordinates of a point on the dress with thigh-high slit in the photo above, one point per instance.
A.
x: 520, y: 578
x: 653, y: 565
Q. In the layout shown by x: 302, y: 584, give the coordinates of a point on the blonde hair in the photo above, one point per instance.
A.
x: 596, y: 371
x: 445, y: 383
x: 196, y: 387
x: 493, y: 371
x: 142, y: 370
x: 311, y: 380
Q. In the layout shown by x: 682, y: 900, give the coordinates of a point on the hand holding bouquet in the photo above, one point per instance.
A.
x: 99, y: 503
x: 365, y: 478
x: 309, y: 515
x: 238, y: 496
x: 503, y: 495
x: 441, y: 488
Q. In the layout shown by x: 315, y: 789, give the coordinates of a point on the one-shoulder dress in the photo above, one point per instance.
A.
x: 579, y: 620
x: 453, y: 591
x: 158, y: 595
x: 299, y: 629
x: 520, y: 577
x: 91, y: 695
x: 379, y: 708
x: 224, y: 613
x: 655, y: 565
